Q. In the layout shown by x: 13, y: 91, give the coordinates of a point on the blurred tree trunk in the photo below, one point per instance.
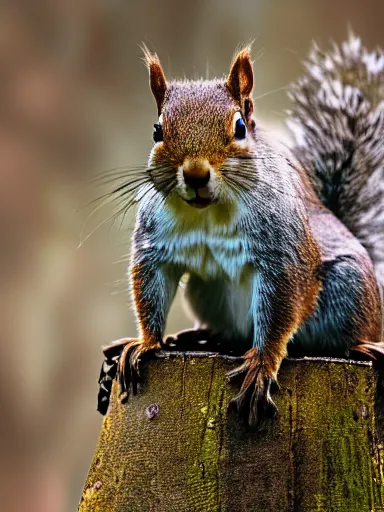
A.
x: 322, y: 454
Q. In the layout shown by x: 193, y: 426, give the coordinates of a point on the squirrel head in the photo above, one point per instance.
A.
x: 202, y: 124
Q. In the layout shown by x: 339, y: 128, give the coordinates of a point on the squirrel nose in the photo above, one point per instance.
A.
x: 196, y: 172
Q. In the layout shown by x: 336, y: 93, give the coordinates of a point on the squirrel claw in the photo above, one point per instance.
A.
x: 238, y: 372
x: 128, y: 369
x: 253, y: 404
x: 255, y: 407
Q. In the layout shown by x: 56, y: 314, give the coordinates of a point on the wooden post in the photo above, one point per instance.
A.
x: 322, y: 453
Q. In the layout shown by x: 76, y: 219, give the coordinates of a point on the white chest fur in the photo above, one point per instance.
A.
x: 210, y: 246
x: 207, y: 243
x: 221, y: 296
x: 209, y: 255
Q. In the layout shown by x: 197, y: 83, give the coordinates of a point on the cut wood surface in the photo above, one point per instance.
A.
x: 322, y: 453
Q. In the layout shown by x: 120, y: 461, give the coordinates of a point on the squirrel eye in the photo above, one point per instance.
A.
x: 240, y: 129
x: 157, y: 132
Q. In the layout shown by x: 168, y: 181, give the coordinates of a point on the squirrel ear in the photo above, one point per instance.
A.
x: 240, y: 79
x: 157, y: 79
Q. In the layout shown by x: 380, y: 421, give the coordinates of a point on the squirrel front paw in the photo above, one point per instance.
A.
x: 254, y: 404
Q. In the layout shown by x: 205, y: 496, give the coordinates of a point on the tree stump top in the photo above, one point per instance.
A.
x: 175, y: 447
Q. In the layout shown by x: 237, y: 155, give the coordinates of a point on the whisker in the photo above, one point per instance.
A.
x: 279, y: 89
x: 127, y: 190
x: 251, y: 157
x: 250, y: 180
x: 136, y: 182
x: 123, y: 259
x: 114, y: 215
x: 111, y: 179
x: 139, y: 183
x: 164, y: 193
x: 238, y: 190
x: 115, y: 173
x: 245, y: 174
x: 83, y: 240
x: 105, y: 198
x: 259, y: 54
x: 128, y: 205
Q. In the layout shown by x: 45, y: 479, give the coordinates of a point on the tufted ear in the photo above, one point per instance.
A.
x: 240, y: 79
x: 157, y: 79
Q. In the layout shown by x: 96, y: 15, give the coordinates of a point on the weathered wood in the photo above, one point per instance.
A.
x: 322, y: 454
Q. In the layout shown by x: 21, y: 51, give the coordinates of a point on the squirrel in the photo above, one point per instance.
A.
x: 284, y: 247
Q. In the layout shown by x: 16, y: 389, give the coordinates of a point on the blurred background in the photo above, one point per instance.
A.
x: 74, y: 101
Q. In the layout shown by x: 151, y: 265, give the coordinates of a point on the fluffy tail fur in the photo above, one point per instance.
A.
x: 337, y: 120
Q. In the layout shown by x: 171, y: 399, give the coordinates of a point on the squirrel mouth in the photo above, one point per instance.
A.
x: 201, y: 200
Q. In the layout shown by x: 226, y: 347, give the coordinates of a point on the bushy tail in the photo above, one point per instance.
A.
x: 337, y: 120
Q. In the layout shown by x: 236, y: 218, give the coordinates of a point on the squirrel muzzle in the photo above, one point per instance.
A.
x: 196, y: 175
x: 196, y: 172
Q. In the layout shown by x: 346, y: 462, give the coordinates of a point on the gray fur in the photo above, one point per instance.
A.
x: 227, y: 247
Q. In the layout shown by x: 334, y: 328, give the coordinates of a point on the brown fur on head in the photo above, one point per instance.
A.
x: 189, y: 107
x: 198, y: 117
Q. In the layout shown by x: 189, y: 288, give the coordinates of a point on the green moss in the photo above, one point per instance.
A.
x: 204, y: 470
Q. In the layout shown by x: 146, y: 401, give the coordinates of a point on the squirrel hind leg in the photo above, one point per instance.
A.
x: 342, y: 325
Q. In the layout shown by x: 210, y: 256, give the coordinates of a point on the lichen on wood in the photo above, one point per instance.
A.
x: 321, y: 454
